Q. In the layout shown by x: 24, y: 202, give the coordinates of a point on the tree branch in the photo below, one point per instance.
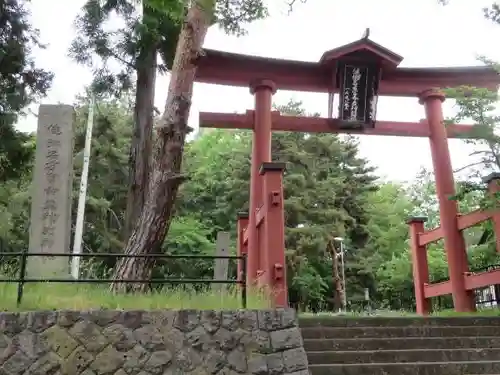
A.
x: 478, y: 152
x: 291, y: 4
x: 178, y: 178
x: 491, y: 145
x: 121, y: 59
x: 468, y: 166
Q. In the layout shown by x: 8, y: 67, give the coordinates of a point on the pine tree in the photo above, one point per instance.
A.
x: 21, y: 83
x: 148, y: 32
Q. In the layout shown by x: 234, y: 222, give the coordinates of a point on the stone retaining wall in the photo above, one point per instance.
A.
x: 166, y: 342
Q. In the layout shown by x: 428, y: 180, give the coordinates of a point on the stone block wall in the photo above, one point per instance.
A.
x: 167, y: 342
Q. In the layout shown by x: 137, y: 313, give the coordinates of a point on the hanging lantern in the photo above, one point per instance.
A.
x: 358, y: 94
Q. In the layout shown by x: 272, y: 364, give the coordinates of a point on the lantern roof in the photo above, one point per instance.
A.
x: 362, y: 50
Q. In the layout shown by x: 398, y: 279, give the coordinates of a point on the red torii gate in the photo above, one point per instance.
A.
x: 461, y: 282
x: 360, y: 72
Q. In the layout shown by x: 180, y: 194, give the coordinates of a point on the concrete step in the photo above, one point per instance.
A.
x: 381, y: 332
x: 403, y: 356
x: 403, y: 343
x: 345, y: 321
x: 412, y: 368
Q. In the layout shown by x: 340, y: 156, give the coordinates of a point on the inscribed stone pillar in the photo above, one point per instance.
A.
x: 50, y: 225
x: 221, y: 266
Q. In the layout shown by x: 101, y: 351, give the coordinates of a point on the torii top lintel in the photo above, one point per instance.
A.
x: 226, y: 68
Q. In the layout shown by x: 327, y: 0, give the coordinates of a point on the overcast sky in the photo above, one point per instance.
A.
x: 423, y: 32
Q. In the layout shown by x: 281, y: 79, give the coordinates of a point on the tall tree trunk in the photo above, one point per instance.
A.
x: 142, y: 138
x: 154, y: 220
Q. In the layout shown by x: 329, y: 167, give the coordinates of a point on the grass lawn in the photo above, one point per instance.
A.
x: 52, y: 296
x: 492, y: 311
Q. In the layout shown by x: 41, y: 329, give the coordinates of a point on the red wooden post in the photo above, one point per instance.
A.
x: 242, y: 248
x: 454, y: 244
x: 419, y: 263
x: 493, y: 182
x: 273, y: 233
x: 261, y: 152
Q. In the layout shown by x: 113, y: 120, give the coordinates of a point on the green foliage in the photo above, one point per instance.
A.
x: 479, y: 106
x: 233, y: 15
x: 187, y: 236
x: 329, y: 191
x: 108, y: 174
x: 107, y: 193
x: 145, y: 27
x: 218, y: 164
x: 492, y: 13
x: 153, y: 26
x: 326, y: 184
x: 21, y: 83
x: 386, y: 231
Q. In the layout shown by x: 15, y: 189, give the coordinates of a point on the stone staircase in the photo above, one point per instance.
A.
x: 402, y: 346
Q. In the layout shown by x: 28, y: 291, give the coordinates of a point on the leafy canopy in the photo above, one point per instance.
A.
x: 21, y: 83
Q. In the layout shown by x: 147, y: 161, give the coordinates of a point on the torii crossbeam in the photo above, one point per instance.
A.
x: 328, y: 125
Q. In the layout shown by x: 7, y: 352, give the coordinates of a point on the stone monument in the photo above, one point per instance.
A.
x: 221, y: 266
x: 50, y: 225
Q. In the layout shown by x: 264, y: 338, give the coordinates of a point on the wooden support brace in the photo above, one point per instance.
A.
x: 419, y: 263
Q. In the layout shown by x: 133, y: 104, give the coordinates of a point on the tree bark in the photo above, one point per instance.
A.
x: 142, y: 138
x: 154, y: 220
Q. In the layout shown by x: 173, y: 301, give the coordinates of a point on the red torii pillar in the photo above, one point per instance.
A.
x: 454, y: 243
x: 272, y: 234
x: 263, y: 90
x: 242, y: 247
